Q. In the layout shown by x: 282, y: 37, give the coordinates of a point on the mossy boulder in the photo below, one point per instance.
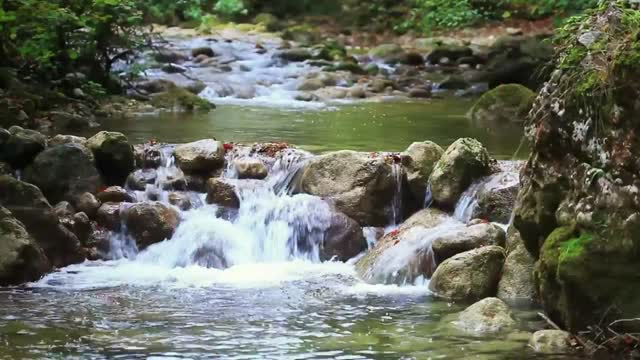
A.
x: 114, y: 156
x: 504, y: 104
x: 64, y: 172
x: 465, y: 161
x: 269, y: 21
x: 19, y: 146
x: 578, y: 209
x: 388, y: 53
x: 180, y: 99
x: 303, y: 34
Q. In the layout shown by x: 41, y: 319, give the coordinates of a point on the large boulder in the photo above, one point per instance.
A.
x: 358, y: 184
x: 469, y: 276
x: 465, y: 161
x: 151, y: 222
x: 578, y: 211
x: 343, y: 239
x: 19, y: 146
x: 403, y: 255
x: 504, y: 104
x: 467, y: 238
x: 487, y: 316
x: 419, y: 160
x: 21, y: 258
x: 204, y: 156
x: 114, y: 156
x: 516, y: 283
x: 495, y: 198
x: 64, y: 173
x: 27, y: 203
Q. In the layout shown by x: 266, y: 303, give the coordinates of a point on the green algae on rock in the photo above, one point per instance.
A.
x: 506, y: 103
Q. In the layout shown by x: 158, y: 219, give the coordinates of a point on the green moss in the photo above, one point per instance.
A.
x: 574, y: 248
x: 511, y: 102
x: 177, y: 97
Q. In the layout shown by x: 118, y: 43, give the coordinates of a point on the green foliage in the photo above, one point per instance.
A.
x: 446, y: 14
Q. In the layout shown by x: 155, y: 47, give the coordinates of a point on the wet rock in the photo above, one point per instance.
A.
x: 155, y: 86
x: 64, y: 209
x: 469, y: 276
x: 504, y: 104
x: 88, y: 204
x: 360, y: 185
x: 420, y: 93
x: 175, y: 182
x: 66, y: 139
x: 330, y: 93
x: 6, y: 169
x: 19, y: 146
x: 295, y: 55
x: 413, y: 59
x: 269, y: 21
x: 204, y: 156
x: 147, y: 156
x: 27, y: 203
x: 343, y: 240
x: 196, y: 183
x: 311, y: 85
x: 21, y: 258
x: 82, y: 227
x: 450, y: 52
x: 174, y: 69
x: 517, y: 282
x: 64, y: 173
x: 379, y: 85
x: 465, y: 161
x: 108, y: 216
x: 401, y: 256
x: 496, y: 198
x: 307, y: 97
x: 357, y: 92
x: 151, y: 222
x: 139, y: 179
x: 454, y: 83
x: 66, y: 121
x: 467, y: 238
x: 551, y: 342
x: 114, y: 194
x: 206, y: 51
x: 221, y: 192
x: 169, y: 56
x: 178, y: 99
x: 250, y: 169
x: 389, y: 53
x: 114, y: 156
x: 302, y: 34
x: 487, y: 316
x: 180, y: 200
x: 418, y: 161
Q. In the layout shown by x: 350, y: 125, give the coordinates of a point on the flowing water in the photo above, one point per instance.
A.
x: 249, y: 284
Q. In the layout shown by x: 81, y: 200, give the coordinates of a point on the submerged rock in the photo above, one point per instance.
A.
x: 469, y: 276
x: 114, y: 156
x: 21, y: 258
x: 151, y: 222
x: 465, y: 161
x: 487, y: 316
x: 358, y: 184
x: 27, y: 203
x: 504, y: 104
x: 204, y: 156
x: 551, y: 342
x: 64, y: 173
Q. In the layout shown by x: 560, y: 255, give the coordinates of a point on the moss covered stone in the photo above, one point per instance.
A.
x: 504, y: 104
x: 179, y: 99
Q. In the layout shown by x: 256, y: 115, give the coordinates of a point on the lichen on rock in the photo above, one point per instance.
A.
x: 578, y: 209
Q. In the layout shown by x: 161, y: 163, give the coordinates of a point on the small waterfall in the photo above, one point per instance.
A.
x: 428, y: 198
x: 468, y: 202
x: 270, y: 225
x: 396, y: 204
